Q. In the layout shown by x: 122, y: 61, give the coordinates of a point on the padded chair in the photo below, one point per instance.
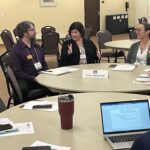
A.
x: 47, y: 29
x: 50, y: 42
x: 16, y: 35
x: 16, y: 91
x: 13, y: 88
x: 132, y: 34
x: 2, y: 106
x: 142, y: 20
x: 7, y: 39
x: 88, y: 33
x: 4, y: 61
x: 105, y: 36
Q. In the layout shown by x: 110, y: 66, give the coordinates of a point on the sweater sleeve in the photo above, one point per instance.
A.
x: 15, y: 63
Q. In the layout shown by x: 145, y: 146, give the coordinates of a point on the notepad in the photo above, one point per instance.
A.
x: 60, y: 71
x: 124, y: 67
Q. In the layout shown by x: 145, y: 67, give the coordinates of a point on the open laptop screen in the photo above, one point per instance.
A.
x: 125, y: 116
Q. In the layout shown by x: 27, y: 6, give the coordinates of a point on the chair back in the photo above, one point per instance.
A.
x: 7, y: 39
x: 143, y: 20
x: 4, y: 61
x: 2, y: 106
x: 132, y: 34
x: 88, y: 33
x: 16, y: 34
x: 47, y: 29
x: 50, y: 41
x: 17, y: 93
x: 102, y: 37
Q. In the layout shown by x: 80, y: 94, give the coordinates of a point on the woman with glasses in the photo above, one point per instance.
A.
x: 139, y: 52
x: 78, y: 50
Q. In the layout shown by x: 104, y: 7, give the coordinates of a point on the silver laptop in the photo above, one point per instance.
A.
x: 124, y: 122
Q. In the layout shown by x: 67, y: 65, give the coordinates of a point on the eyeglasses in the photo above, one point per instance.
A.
x: 32, y: 29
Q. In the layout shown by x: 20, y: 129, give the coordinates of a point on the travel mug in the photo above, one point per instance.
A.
x: 66, y: 110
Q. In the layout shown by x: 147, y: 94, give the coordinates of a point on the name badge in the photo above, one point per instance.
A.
x: 83, y: 56
x: 29, y: 57
x: 38, y: 66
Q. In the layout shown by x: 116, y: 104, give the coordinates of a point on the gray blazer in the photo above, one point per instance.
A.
x: 131, y: 58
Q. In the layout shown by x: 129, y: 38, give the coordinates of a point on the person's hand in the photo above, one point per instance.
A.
x: 35, y: 79
x: 98, y: 54
x: 69, y: 49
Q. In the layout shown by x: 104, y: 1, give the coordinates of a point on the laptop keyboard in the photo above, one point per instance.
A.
x: 124, y: 138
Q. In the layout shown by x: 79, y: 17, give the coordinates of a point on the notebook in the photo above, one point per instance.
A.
x: 124, y: 122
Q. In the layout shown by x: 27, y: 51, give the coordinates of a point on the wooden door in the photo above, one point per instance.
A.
x: 92, y: 16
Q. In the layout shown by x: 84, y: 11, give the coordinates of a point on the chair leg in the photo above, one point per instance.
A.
x: 124, y: 57
x: 115, y: 61
x: 108, y: 60
x: 9, y: 101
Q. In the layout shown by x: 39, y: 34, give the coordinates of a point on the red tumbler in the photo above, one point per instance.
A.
x: 66, y: 110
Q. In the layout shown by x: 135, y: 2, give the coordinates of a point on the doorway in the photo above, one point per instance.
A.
x: 91, y: 15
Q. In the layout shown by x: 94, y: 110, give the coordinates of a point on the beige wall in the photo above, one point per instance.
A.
x: 110, y: 7
x: 67, y: 11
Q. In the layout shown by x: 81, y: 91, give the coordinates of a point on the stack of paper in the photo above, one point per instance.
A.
x: 95, y: 73
x: 44, y: 105
x: 53, y: 147
x: 142, y: 79
x: 60, y: 71
x: 124, y: 67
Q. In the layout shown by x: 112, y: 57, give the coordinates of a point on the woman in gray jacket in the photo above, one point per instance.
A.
x: 140, y: 51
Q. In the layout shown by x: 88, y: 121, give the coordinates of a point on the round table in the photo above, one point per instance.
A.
x: 86, y: 133
x: 121, y: 44
x: 118, y: 81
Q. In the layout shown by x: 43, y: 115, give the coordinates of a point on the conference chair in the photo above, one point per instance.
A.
x: 46, y: 29
x: 17, y: 93
x: 14, y: 91
x: 88, y: 33
x: 50, y: 44
x: 2, y: 106
x: 106, y: 36
x: 16, y: 35
x: 4, y: 61
x: 7, y: 39
x: 132, y: 34
x: 142, y: 20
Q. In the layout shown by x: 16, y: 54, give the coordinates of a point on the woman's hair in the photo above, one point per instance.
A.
x: 146, y: 27
x: 22, y: 28
x: 77, y: 26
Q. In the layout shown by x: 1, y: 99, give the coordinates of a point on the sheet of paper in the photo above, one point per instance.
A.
x: 142, y: 79
x: 23, y: 128
x: 60, y: 71
x: 53, y: 147
x: 29, y: 105
x: 95, y: 74
x: 124, y: 67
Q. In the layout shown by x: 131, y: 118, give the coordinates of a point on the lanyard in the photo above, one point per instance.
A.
x: 32, y: 54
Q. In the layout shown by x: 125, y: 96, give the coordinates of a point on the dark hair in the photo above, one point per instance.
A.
x: 146, y: 27
x: 22, y: 28
x: 78, y: 26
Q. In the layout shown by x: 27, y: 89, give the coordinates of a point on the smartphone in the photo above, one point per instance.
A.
x: 46, y: 106
x: 37, y: 148
x: 5, y: 127
x: 112, y: 66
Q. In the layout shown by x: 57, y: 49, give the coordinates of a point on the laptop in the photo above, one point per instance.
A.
x: 123, y: 122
